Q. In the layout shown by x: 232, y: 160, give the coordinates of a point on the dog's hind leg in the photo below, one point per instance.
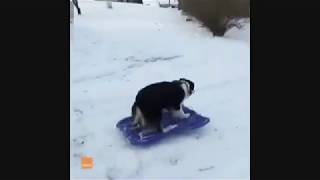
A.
x: 138, y: 118
x: 154, y: 120
x: 154, y: 127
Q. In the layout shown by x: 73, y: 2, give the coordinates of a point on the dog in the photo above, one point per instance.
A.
x: 153, y: 99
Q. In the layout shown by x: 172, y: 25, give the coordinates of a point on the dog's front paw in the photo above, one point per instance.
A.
x: 187, y: 115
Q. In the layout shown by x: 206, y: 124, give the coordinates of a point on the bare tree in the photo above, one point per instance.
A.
x: 76, y: 4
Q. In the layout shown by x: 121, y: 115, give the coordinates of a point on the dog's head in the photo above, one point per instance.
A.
x: 189, y: 84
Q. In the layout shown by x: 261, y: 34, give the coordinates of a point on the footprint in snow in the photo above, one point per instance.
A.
x: 78, y: 112
x: 198, y: 136
x: 205, y: 169
x: 129, y: 58
x: 78, y: 155
x: 109, y: 177
x: 79, y: 141
x: 173, y: 161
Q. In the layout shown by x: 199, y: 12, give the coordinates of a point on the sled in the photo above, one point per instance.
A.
x: 171, y: 125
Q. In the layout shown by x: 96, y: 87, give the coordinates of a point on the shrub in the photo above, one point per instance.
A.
x: 217, y: 15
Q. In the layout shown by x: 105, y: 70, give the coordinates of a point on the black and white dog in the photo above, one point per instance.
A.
x: 162, y: 96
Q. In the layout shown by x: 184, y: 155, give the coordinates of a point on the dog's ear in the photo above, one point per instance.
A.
x: 191, y: 84
x: 187, y: 80
x: 176, y: 81
x: 182, y: 79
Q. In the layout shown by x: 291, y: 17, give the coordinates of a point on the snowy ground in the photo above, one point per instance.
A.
x: 116, y: 52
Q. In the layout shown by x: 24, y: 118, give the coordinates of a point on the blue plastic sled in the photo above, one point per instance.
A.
x: 170, y: 125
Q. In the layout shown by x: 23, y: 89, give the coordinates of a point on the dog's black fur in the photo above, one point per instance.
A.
x: 152, y: 99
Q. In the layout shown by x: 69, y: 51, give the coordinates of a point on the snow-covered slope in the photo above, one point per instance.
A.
x: 115, y: 52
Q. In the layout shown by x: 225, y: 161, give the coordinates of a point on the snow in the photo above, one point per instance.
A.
x: 115, y: 52
x: 243, y: 35
x: 150, y: 2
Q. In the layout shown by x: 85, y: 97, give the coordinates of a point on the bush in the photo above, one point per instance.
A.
x: 217, y: 15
